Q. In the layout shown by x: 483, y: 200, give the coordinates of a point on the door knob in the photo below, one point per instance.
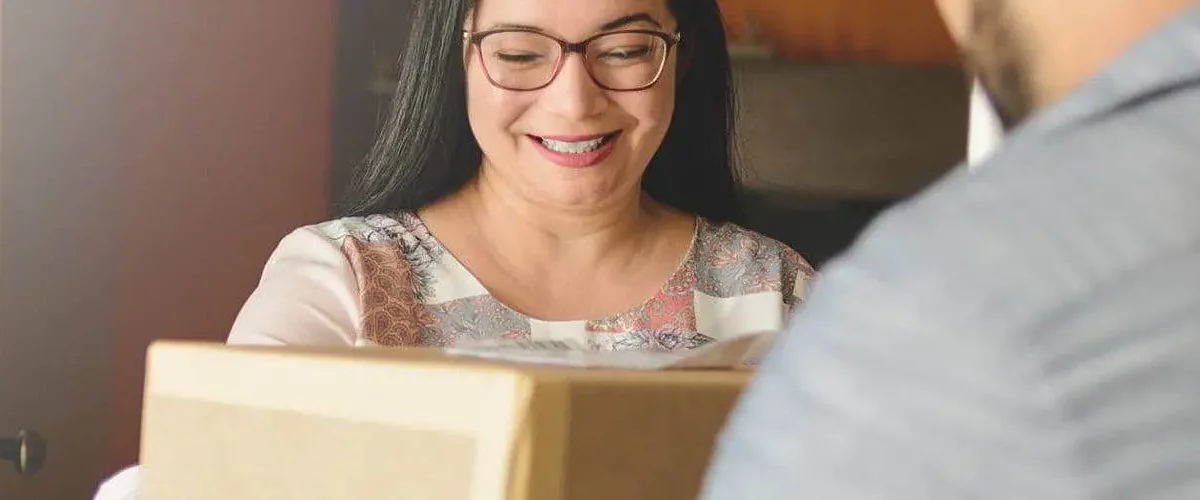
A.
x: 27, y: 451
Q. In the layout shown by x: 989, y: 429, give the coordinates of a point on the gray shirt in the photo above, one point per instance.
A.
x: 1028, y: 330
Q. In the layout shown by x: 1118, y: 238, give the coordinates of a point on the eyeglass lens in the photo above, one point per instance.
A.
x: 523, y: 60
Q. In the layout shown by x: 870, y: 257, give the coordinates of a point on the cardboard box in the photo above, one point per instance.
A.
x: 329, y: 423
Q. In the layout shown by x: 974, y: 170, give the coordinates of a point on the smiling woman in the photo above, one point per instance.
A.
x: 560, y: 171
x: 551, y: 169
x: 435, y: 91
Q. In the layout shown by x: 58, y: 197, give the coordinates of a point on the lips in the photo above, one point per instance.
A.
x: 576, y: 151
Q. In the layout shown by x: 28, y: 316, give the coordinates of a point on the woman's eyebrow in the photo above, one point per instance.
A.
x: 611, y: 25
x: 506, y: 26
x: 630, y: 19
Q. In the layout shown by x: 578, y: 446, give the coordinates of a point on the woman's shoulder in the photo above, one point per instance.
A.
x: 323, y: 280
x: 734, y: 260
x: 738, y: 242
x: 369, y: 229
x: 398, y: 238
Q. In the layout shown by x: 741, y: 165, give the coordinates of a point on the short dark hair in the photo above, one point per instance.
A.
x: 425, y: 150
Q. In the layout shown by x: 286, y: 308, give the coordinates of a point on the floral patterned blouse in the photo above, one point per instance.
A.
x: 386, y: 280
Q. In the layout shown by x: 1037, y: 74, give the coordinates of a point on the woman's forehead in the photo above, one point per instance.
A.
x: 571, y: 18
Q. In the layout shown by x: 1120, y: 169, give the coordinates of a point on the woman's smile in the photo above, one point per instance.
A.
x: 576, y: 151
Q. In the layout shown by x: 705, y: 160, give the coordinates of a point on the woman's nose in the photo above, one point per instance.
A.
x: 574, y: 94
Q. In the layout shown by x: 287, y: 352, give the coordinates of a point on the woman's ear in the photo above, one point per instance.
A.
x: 683, y: 60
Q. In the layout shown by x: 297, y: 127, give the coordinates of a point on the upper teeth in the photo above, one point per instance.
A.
x: 573, y: 147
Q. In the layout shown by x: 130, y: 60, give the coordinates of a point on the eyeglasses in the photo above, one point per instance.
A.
x: 522, y: 59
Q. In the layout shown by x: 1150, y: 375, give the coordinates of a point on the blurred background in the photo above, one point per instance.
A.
x: 152, y: 152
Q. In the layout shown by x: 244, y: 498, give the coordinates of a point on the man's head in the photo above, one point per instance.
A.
x: 1029, y: 54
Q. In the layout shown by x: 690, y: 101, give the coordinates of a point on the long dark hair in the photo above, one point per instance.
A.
x: 426, y: 150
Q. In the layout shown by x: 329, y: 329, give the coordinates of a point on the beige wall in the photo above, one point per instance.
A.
x: 152, y: 153
x: 228, y: 114
x: 60, y: 171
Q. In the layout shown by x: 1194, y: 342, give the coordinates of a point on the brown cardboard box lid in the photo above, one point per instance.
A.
x: 330, y: 423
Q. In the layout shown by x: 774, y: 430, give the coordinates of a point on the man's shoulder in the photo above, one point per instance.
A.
x: 1046, y: 217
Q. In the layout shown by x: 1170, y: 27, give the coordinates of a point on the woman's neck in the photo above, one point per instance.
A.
x: 554, y: 263
x: 520, y: 229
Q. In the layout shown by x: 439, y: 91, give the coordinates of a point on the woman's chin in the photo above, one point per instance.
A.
x: 584, y: 195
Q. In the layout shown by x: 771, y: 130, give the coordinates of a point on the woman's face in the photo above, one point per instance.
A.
x: 572, y: 143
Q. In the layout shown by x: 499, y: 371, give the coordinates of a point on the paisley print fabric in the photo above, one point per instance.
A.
x: 414, y: 293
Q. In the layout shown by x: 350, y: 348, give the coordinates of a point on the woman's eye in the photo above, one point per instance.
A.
x: 626, y: 53
x: 516, y: 57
